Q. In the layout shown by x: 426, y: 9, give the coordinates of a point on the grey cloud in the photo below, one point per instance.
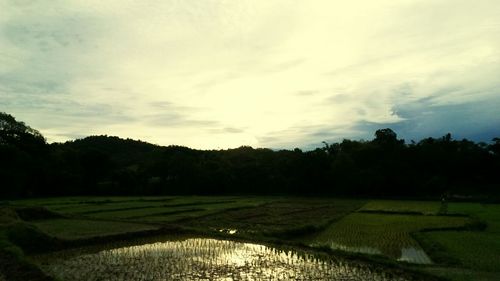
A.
x: 71, y: 136
x: 12, y: 84
x: 172, y: 107
x: 226, y: 130
x: 304, y: 137
x: 233, y: 130
x: 477, y: 120
x: 47, y: 36
x: 339, y: 98
x: 174, y: 119
x: 360, y: 111
x: 47, y: 113
x: 425, y: 117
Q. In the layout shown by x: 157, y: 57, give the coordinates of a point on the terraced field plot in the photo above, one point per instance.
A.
x: 80, y: 228
x: 489, y: 213
x: 384, y: 234
x: 476, y: 250
x: 174, y: 210
x: 402, y: 206
x: 280, y: 217
x: 70, y: 202
x: 89, y: 208
x: 90, y: 218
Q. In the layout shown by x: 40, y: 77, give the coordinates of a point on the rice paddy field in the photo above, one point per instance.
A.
x: 383, y: 234
x: 477, y: 251
x: 83, y: 228
x: 239, y: 238
x: 403, y: 206
x: 207, y: 259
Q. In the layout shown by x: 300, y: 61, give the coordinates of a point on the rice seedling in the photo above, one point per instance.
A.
x: 209, y: 259
x: 478, y: 250
x: 489, y: 213
x: 388, y: 235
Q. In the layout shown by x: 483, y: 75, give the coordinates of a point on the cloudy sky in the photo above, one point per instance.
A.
x: 265, y: 73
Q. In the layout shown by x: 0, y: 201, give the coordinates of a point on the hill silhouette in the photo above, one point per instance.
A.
x: 105, y: 165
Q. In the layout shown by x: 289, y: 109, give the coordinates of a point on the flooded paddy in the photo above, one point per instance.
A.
x: 207, y: 259
x: 410, y: 254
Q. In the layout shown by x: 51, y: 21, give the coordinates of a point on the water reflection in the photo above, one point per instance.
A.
x: 354, y: 249
x: 414, y: 255
x: 228, y: 230
x: 208, y: 259
x: 408, y: 254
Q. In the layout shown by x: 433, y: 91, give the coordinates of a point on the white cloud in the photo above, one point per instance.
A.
x: 93, y: 67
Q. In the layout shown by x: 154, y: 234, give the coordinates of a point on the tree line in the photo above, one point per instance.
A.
x: 385, y: 166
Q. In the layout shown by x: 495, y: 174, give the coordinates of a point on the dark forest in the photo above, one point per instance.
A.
x: 382, y: 167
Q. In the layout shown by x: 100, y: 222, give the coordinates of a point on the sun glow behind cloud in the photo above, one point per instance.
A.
x: 218, y: 74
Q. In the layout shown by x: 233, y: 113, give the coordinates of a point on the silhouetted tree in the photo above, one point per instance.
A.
x: 22, y: 152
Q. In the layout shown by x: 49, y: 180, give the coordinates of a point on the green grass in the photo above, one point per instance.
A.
x: 79, y: 228
x: 385, y: 234
x: 424, y: 207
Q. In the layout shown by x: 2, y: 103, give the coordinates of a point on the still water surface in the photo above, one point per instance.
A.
x: 407, y: 254
x: 208, y: 259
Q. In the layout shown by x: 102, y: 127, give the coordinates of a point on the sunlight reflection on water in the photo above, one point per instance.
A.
x: 209, y: 259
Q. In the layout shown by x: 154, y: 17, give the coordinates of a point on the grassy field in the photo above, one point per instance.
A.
x: 390, y: 228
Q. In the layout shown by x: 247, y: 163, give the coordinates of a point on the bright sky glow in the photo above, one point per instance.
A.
x: 265, y: 73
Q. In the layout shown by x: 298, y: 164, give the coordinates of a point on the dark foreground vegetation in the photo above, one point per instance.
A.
x: 383, y: 167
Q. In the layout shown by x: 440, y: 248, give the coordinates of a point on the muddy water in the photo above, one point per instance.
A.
x: 208, y: 259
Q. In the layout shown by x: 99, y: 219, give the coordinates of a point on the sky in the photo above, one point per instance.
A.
x: 217, y: 74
